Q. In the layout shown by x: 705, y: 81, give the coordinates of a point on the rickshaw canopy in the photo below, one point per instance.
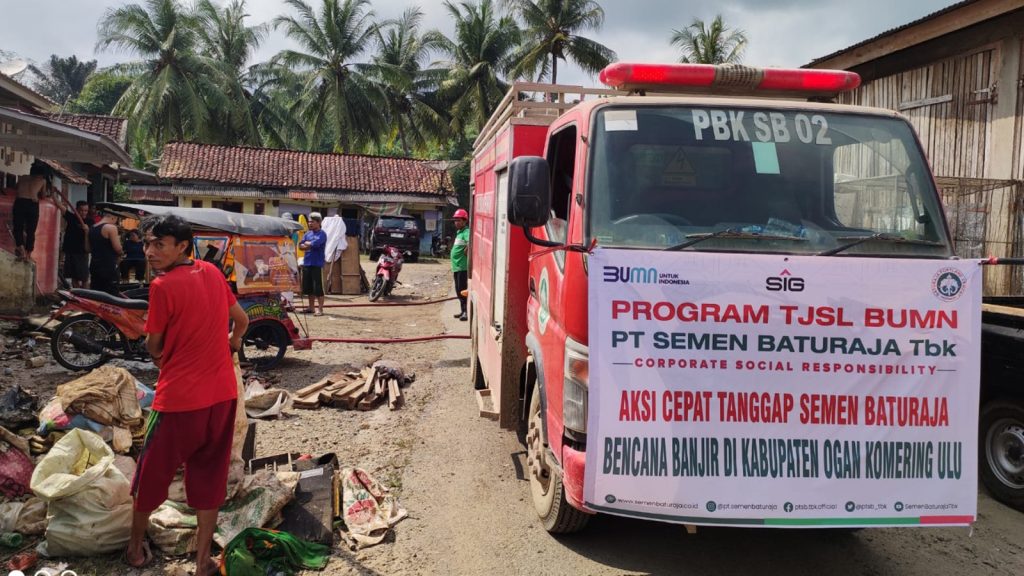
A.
x: 211, y: 219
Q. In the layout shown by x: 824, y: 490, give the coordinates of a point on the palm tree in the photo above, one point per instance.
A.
x: 715, y: 44
x: 336, y: 95
x: 411, y: 109
x: 478, y: 58
x: 174, y: 87
x: 62, y: 79
x: 227, y: 40
x: 550, y: 29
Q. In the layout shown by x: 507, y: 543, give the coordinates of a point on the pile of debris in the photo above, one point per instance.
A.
x: 70, y: 464
x: 365, y: 390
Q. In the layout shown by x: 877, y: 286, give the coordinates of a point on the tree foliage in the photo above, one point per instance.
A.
x: 551, y: 33
x: 101, y: 92
x: 62, y: 79
x: 700, y: 43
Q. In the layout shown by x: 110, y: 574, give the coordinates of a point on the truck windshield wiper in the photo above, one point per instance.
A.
x: 883, y: 236
x: 729, y: 233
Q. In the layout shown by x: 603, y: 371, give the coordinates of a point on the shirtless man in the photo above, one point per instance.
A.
x: 26, y: 211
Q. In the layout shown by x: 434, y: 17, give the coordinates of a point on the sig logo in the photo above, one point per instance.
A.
x: 784, y: 282
x: 630, y: 275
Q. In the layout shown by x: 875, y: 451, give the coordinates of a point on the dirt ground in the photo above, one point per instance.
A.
x: 460, y: 477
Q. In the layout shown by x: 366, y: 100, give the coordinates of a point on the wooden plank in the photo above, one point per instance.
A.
x: 315, y: 387
x: 349, y: 396
x: 394, y: 394
x: 327, y: 394
x: 1004, y: 310
x: 369, y: 402
x: 370, y: 381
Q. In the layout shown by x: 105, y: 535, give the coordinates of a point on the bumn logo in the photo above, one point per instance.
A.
x: 631, y: 275
x: 784, y: 282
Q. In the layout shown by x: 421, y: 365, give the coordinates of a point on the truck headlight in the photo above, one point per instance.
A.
x: 574, y: 386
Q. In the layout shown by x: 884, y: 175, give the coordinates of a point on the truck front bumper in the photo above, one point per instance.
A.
x: 573, y: 465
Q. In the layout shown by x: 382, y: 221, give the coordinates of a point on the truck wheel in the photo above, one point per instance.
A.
x: 1001, y: 440
x: 557, y: 516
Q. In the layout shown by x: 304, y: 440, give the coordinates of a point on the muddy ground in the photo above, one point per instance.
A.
x: 460, y: 478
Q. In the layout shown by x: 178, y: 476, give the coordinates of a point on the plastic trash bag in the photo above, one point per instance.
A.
x: 89, y: 502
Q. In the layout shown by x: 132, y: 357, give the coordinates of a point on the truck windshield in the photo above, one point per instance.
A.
x: 761, y: 180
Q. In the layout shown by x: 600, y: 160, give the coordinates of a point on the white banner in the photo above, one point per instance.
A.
x: 792, y: 391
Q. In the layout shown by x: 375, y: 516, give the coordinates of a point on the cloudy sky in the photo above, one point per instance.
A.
x: 781, y: 32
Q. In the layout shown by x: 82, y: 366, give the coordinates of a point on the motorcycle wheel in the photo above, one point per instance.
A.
x: 377, y: 288
x: 82, y: 342
x: 264, y: 344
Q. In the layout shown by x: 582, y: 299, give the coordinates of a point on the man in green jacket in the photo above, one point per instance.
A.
x: 460, y: 259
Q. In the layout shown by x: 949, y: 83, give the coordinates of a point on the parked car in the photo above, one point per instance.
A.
x: 402, y: 232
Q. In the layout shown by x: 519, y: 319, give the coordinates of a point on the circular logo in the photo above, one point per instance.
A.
x: 850, y: 506
x: 948, y: 284
x: 711, y: 506
x: 788, y: 506
x: 543, y: 312
x: 610, y: 499
x: 898, y: 507
x: 16, y: 573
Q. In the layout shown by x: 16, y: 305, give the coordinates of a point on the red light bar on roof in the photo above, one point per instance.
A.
x: 730, y: 78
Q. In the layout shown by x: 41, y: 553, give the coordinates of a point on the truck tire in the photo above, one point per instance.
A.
x: 556, y: 514
x: 1001, y: 451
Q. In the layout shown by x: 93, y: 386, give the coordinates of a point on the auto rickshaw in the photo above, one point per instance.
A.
x: 256, y: 254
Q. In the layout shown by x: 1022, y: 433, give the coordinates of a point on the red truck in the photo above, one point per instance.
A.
x: 700, y: 164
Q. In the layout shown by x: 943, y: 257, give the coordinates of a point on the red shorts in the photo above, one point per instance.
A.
x: 199, y: 439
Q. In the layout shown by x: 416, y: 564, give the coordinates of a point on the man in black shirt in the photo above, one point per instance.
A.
x: 76, y: 249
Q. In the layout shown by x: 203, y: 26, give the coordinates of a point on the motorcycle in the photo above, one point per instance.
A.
x: 96, y: 327
x: 440, y: 247
x: 388, y: 266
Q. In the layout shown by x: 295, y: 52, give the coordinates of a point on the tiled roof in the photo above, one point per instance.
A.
x: 65, y: 172
x: 109, y: 126
x: 290, y: 169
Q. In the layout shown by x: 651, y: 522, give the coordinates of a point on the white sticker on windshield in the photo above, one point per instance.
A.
x: 620, y: 121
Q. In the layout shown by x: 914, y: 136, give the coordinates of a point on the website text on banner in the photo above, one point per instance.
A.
x: 770, y: 390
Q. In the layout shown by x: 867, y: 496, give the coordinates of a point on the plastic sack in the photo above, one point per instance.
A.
x: 259, y: 502
x: 368, y: 507
x: 89, y: 502
x: 257, y: 552
x: 15, y: 465
x: 28, y: 517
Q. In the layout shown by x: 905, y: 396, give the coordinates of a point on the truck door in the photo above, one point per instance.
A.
x: 548, y: 275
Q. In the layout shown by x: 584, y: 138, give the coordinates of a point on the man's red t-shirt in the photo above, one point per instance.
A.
x: 190, y: 306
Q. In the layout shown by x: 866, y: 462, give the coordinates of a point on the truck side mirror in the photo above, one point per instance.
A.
x: 529, y: 195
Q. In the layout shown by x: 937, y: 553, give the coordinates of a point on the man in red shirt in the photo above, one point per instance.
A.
x: 192, y: 423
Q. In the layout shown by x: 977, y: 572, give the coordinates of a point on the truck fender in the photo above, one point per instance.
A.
x: 534, y: 350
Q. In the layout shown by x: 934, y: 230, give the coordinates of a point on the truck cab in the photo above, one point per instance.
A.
x: 677, y: 158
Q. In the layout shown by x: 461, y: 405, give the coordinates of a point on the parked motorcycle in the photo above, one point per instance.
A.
x: 96, y: 327
x: 388, y: 266
x: 440, y: 247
